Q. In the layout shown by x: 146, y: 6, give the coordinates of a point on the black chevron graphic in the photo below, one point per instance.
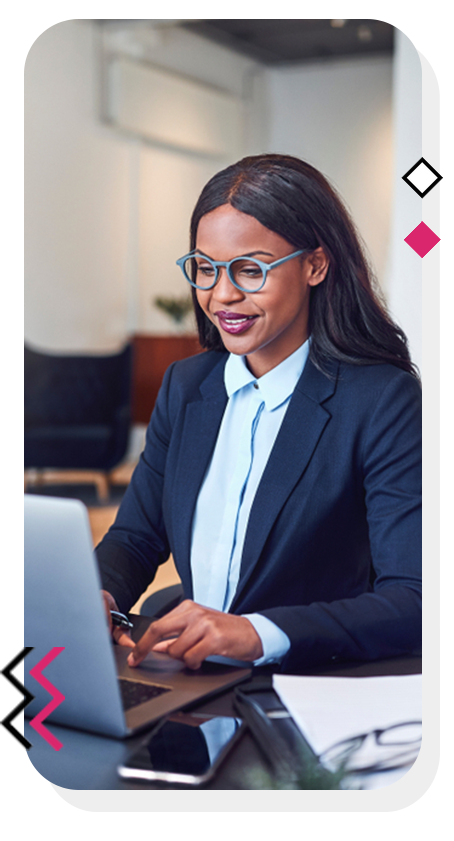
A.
x: 28, y: 697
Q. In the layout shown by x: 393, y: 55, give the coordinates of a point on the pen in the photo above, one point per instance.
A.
x: 120, y: 620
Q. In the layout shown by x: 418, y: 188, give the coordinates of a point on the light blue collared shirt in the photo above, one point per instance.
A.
x: 251, y: 422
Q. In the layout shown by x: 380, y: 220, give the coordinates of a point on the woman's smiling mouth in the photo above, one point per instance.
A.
x: 234, y: 322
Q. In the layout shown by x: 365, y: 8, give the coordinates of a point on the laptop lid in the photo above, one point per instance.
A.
x: 64, y: 608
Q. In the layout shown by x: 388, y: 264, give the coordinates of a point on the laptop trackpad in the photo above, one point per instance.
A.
x: 154, y: 663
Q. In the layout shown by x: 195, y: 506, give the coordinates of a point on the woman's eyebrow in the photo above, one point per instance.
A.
x: 253, y: 253
x: 248, y: 254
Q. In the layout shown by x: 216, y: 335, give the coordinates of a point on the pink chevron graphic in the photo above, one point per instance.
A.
x: 57, y: 698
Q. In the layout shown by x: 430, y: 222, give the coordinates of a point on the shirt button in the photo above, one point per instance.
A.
x: 256, y: 385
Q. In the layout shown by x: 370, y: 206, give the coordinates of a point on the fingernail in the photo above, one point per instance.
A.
x: 131, y: 660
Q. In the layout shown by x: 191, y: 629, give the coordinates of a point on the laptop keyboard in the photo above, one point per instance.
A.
x: 134, y: 693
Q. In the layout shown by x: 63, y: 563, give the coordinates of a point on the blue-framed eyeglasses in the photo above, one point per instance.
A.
x: 246, y: 273
x: 392, y: 747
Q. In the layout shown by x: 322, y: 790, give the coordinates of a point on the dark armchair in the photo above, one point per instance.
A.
x: 77, y: 412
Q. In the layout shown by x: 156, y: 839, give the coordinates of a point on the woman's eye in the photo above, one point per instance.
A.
x: 205, y: 270
x: 251, y: 271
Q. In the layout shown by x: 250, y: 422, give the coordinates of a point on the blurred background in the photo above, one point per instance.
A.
x: 126, y: 120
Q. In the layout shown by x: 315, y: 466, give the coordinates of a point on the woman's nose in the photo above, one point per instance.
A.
x: 225, y: 290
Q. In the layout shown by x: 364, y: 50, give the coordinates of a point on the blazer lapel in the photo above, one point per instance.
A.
x: 298, y: 436
x: 200, y: 431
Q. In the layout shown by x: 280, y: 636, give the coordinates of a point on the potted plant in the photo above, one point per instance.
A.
x: 177, y: 308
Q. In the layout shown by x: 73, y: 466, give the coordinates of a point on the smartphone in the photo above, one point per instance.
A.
x: 184, y: 749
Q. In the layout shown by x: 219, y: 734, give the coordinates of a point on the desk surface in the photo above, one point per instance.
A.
x: 87, y: 761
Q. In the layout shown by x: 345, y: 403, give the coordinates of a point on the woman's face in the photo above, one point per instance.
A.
x: 265, y: 326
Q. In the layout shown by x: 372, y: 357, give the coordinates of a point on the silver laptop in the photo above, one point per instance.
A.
x: 63, y: 608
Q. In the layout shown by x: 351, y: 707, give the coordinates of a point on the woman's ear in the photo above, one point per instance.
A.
x: 319, y: 265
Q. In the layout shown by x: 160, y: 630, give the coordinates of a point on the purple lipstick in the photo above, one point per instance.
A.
x: 235, y: 322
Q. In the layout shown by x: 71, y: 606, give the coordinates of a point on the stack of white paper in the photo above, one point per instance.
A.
x: 329, y: 710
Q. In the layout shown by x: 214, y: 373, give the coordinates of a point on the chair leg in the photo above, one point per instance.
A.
x: 33, y: 477
x: 102, y: 486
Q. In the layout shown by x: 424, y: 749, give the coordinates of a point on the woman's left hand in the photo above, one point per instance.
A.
x: 197, y: 632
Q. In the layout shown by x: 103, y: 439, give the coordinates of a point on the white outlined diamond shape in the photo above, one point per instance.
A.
x: 422, y: 177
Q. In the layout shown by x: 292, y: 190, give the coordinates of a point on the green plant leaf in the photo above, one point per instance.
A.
x: 176, y: 308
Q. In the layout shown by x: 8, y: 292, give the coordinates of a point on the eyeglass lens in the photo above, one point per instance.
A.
x: 401, y: 734
x: 246, y: 273
x: 380, y: 750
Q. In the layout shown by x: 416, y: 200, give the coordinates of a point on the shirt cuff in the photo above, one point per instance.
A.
x: 275, y: 641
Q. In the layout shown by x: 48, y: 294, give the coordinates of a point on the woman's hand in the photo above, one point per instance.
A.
x: 195, y: 633
x: 120, y: 636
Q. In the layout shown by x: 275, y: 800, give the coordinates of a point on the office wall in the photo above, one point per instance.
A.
x: 338, y: 117
x: 77, y: 176
x: 107, y: 214
x: 364, y: 131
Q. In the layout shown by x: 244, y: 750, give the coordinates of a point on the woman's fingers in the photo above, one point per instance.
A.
x: 120, y: 635
x: 170, y: 625
x: 162, y: 646
x: 109, y: 604
x: 123, y: 637
x: 199, y: 632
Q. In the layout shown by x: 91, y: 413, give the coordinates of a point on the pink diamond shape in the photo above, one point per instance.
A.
x: 422, y: 239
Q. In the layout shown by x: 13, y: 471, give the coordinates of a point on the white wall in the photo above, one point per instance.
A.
x: 364, y: 131
x: 108, y: 215
x: 77, y: 199
x: 338, y: 117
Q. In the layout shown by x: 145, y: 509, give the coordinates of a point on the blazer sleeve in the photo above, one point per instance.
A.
x: 386, y: 621
x: 131, y: 551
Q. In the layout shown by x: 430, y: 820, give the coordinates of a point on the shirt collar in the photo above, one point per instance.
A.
x: 274, y: 387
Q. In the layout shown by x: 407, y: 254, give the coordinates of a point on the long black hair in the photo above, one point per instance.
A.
x: 348, y: 319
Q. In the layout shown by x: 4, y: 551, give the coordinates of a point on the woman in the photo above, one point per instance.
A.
x: 282, y: 466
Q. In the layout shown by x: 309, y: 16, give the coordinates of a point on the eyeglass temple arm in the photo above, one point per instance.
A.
x: 284, y: 259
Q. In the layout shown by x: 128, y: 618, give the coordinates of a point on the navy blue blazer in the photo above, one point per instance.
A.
x: 332, y: 552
